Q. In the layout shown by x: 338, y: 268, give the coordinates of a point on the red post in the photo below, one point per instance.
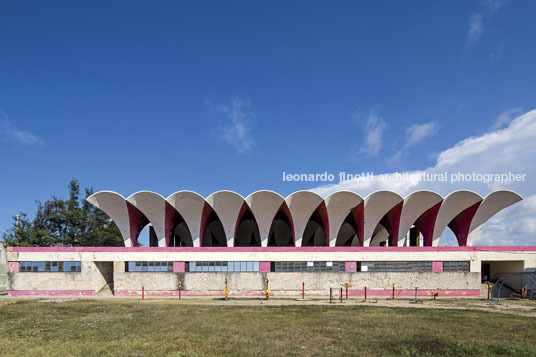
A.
x: 393, y: 291
x: 365, y: 293
x: 303, y: 290
x: 142, y: 292
x: 180, y: 288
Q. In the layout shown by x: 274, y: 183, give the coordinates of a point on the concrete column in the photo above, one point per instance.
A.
x: 13, y: 267
x: 119, y: 266
x: 178, y: 267
x: 264, y: 267
x: 476, y: 265
x: 437, y: 267
x: 351, y: 267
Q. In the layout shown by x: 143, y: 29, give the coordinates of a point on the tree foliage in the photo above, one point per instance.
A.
x: 70, y: 223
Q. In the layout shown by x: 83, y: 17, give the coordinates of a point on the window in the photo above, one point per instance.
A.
x: 295, y: 267
x: 149, y: 267
x: 196, y: 267
x: 457, y: 266
x: 396, y: 266
x: 50, y: 267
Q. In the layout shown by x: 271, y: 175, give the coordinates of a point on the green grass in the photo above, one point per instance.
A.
x: 168, y: 327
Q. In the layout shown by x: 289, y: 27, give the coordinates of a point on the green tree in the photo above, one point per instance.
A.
x: 73, y: 222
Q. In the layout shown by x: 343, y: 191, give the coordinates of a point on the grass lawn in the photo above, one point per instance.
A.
x: 168, y: 327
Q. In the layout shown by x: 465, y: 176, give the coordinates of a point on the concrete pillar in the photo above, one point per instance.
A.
x: 264, y: 267
x: 119, y: 266
x: 437, y: 267
x: 178, y: 267
x: 13, y: 267
x: 351, y: 267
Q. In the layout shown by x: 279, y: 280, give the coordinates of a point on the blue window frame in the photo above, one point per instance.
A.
x: 50, y: 267
x: 149, y: 267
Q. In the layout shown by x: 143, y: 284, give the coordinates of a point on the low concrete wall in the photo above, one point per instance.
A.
x: 88, y: 281
x: 3, y: 269
x: 378, y: 284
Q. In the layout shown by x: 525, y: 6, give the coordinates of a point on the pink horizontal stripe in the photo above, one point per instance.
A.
x: 187, y: 293
x: 370, y: 293
x: 411, y: 292
x: 269, y: 249
x: 51, y: 292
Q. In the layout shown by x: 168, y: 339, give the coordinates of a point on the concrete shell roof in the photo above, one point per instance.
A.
x: 301, y: 205
x: 189, y: 205
x: 114, y: 205
x: 454, y: 204
x: 265, y: 204
x: 153, y: 206
x: 378, y: 204
x: 491, y: 205
x: 339, y: 205
x: 227, y: 205
x: 415, y: 204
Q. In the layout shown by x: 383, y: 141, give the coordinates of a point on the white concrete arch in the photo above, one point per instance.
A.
x: 491, y: 205
x: 264, y: 205
x: 414, y: 206
x: 301, y: 205
x: 377, y: 205
x: 227, y: 205
x: 189, y: 204
x: 115, y: 206
x: 339, y: 205
x: 153, y: 206
x: 455, y: 203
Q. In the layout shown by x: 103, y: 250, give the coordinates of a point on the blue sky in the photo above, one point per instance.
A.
x: 164, y: 96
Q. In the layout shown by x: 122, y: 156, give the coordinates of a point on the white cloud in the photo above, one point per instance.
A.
x: 237, y: 130
x: 374, y: 127
x: 476, y: 21
x: 475, y: 28
x: 493, y: 5
x: 510, y: 149
x: 12, y: 133
x: 506, y: 117
x: 414, y: 134
x: 417, y: 132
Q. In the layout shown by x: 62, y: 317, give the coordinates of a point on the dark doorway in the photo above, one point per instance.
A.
x: 485, y: 272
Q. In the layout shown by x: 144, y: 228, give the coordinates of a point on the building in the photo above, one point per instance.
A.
x: 299, y: 242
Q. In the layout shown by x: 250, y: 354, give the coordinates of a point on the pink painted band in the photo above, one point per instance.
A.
x: 269, y: 249
x: 370, y: 293
x: 187, y: 293
x: 51, y: 292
